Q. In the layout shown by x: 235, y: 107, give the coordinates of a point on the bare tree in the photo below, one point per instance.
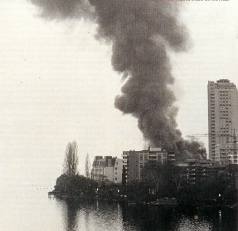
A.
x: 71, y: 159
x: 87, y: 166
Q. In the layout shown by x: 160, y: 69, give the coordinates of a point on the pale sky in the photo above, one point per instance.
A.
x: 57, y: 85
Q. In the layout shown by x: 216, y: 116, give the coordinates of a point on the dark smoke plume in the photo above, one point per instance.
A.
x: 54, y: 9
x: 141, y: 32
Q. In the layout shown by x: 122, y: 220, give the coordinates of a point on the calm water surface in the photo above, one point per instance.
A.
x: 29, y: 209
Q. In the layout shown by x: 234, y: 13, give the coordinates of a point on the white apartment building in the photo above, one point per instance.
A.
x: 222, y: 118
x: 107, y: 168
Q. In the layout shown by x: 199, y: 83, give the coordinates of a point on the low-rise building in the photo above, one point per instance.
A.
x: 107, y: 168
x: 97, y: 172
x: 196, y: 171
x: 226, y: 153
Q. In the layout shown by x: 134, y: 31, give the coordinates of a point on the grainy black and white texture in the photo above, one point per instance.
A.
x: 141, y: 34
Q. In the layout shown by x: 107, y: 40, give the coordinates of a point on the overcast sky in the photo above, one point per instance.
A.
x: 57, y: 85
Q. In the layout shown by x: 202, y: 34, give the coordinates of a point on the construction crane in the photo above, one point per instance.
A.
x: 232, y: 145
x: 197, y: 135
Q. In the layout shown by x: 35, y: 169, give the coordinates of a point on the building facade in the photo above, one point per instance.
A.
x: 97, y: 172
x: 227, y: 153
x: 222, y: 117
x: 117, y: 171
x: 107, y: 168
x: 195, y: 171
x: 134, y: 162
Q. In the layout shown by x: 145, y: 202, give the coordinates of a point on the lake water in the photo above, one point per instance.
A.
x: 28, y: 208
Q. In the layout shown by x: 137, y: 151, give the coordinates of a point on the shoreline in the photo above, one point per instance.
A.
x: 152, y: 204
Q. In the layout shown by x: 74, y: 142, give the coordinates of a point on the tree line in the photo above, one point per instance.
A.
x: 157, y: 181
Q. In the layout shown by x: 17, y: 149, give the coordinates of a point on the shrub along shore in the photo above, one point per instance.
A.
x: 218, y: 192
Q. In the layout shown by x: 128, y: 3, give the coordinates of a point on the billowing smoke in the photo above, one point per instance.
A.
x: 190, y: 149
x: 55, y: 9
x: 141, y: 33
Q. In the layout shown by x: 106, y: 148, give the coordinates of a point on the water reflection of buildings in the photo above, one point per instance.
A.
x: 104, y: 216
x: 91, y: 215
x: 161, y: 219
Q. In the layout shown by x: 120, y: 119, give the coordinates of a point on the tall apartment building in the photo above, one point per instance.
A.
x: 134, y: 161
x: 222, y: 118
x: 107, y: 168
